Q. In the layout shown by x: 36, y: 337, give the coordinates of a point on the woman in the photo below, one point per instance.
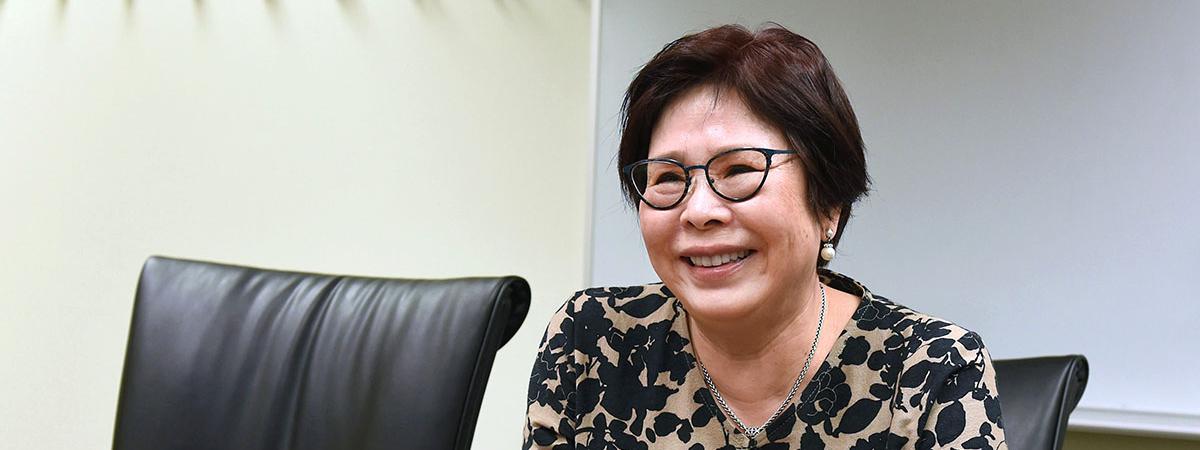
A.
x: 743, y: 157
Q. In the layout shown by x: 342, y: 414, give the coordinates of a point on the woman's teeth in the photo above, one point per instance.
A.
x: 716, y: 260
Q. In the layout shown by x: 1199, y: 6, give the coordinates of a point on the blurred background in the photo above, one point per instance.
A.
x: 1035, y: 169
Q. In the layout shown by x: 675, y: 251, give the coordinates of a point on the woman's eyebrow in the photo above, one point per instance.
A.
x: 677, y: 154
x: 673, y: 154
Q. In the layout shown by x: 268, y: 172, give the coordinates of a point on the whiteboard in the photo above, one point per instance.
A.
x: 1035, y: 171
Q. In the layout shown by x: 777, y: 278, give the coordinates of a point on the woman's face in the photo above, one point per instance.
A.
x: 775, y: 229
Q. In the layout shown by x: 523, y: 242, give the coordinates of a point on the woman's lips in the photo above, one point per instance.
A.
x: 716, y: 267
x: 717, y: 260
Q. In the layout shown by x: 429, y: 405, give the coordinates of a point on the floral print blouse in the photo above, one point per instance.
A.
x: 615, y: 371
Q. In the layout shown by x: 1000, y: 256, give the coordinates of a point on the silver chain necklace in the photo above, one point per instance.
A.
x: 753, y: 432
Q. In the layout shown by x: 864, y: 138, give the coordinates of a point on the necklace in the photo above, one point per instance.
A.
x: 753, y: 432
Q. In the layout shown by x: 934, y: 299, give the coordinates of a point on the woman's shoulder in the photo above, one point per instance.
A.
x: 613, y: 321
x: 908, y: 332
x: 923, y: 347
x: 621, y: 307
x: 883, y: 313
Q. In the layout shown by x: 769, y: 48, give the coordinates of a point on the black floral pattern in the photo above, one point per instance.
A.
x: 615, y: 371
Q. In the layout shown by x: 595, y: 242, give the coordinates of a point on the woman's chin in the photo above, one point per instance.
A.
x: 709, y: 308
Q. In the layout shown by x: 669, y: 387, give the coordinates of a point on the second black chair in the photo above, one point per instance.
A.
x: 1037, y: 396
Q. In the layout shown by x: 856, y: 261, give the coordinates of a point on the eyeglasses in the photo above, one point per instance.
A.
x: 735, y: 175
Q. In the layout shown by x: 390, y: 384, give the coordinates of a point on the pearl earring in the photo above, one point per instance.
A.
x: 827, y: 251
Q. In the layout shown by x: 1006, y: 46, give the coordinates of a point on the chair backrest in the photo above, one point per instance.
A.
x: 227, y: 357
x: 1037, y: 396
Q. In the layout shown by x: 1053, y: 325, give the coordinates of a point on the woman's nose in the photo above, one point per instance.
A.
x: 703, y: 208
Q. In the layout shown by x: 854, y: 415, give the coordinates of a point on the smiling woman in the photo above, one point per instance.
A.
x: 743, y: 157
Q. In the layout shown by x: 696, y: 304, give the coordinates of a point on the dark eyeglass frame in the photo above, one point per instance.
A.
x: 769, y: 153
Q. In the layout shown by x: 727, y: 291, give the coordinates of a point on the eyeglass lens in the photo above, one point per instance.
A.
x: 735, y: 175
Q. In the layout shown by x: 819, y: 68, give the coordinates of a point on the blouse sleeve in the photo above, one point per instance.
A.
x: 549, y: 418
x: 961, y: 408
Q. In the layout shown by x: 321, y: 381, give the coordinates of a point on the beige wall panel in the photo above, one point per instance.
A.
x: 413, y: 139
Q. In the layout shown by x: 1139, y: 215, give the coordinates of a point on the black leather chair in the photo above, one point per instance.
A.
x: 235, y: 358
x: 1037, y: 396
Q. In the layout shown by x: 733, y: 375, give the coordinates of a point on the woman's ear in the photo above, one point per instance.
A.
x: 831, y: 220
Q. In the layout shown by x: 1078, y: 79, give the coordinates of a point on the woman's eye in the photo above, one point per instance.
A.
x: 669, y: 177
x: 740, y: 169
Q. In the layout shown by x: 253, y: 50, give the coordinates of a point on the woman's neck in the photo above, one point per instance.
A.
x: 754, y: 361
x: 759, y: 336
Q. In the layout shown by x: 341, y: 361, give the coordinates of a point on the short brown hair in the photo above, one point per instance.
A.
x: 783, y: 79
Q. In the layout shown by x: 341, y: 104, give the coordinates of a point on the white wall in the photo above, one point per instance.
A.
x: 412, y: 138
x: 1035, y: 168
